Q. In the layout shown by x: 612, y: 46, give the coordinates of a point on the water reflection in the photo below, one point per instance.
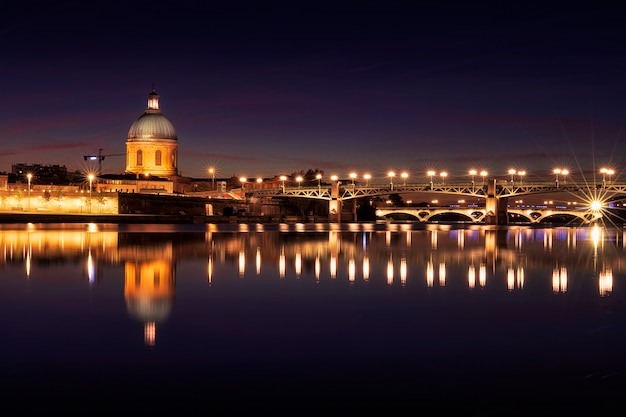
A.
x: 432, y: 256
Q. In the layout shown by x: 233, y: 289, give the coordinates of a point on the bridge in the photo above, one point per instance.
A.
x: 478, y: 215
x: 496, y: 195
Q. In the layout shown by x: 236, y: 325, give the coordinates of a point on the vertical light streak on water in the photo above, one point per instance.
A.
x: 351, y: 270
x: 366, y: 268
x: 242, y: 263
x: 442, y: 274
x: 430, y: 273
x: 482, y: 275
x: 298, y: 263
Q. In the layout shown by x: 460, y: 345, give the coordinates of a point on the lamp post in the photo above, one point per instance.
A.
x: 90, y: 184
x: 30, y: 177
x: 483, y: 174
x: 443, y: 175
x: 605, y: 172
x: 473, y: 173
x: 282, y: 179
x: 243, y: 185
x: 564, y: 173
x: 318, y: 177
x: 431, y: 174
x: 212, y: 174
x: 391, y: 174
x: 352, y: 177
x: 299, y: 180
x: 512, y: 172
x: 556, y: 172
x: 521, y: 176
x: 367, y: 179
x: 404, y: 176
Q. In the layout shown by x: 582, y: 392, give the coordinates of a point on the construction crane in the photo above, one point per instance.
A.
x: 100, y: 158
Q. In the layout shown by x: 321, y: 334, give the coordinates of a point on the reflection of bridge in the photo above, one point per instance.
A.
x: 477, y: 214
x: 495, y: 194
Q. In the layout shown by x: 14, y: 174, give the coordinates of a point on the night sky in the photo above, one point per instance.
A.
x: 267, y: 89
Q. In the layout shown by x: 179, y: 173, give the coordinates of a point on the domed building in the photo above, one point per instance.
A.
x: 152, y: 145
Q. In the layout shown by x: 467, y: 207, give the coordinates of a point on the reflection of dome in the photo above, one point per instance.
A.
x: 149, y: 309
x: 152, y: 126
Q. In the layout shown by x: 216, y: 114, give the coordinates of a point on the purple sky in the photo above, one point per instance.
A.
x: 270, y: 90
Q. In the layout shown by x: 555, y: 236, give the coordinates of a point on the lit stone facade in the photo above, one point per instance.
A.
x: 152, y: 145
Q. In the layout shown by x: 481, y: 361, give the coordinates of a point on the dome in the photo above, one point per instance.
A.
x: 152, y: 126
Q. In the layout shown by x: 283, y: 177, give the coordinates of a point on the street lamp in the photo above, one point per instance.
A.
x: 484, y: 175
x: 391, y: 174
x: 431, y: 174
x: 318, y: 177
x: 90, y: 183
x: 352, y: 177
x: 212, y: 173
x: 521, y: 176
x: 367, y: 179
x: 512, y: 172
x: 299, y: 180
x: 404, y: 176
x: 282, y: 179
x: 443, y: 175
x: 564, y: 172
x: 473, y: 173
x: 30, y: 177
x: 556, y: 172
x: 606, y: 171
x: 243, y: 184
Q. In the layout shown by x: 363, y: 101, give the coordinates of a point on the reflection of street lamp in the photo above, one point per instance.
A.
x: 30, y: 177
x: 90, y: 183
x: 367, y: 179
x: 443, y: 174
x: 299, y: 179
x: 431, y: 174
x: 391, y: 174
x: 283, y: 178
x: 212, y: 173
x: 404, y: 176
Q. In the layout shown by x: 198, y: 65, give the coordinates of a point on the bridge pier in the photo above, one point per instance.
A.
x: 334, y: 205
x: 496, y: 208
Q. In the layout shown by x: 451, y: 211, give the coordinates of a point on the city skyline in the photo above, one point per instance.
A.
x: 271, y: 90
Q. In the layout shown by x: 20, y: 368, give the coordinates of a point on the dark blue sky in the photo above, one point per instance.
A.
x: 271, y: 89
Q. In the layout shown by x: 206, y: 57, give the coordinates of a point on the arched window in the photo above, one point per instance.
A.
x: 157, y: 158
x: 139, y: 158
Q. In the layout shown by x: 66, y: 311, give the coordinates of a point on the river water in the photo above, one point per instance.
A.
x: 296, y: 318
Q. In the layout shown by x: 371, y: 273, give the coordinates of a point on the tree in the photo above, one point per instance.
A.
x: 396, y: 200
x: 365, y: 210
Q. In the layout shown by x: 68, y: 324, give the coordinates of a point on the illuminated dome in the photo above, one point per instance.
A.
x: 152, y: 124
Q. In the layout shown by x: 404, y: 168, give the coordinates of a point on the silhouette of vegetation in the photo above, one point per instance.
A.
x: 365, y: 210
x: 396, y: 200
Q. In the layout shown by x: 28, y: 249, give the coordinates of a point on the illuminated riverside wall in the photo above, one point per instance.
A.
x: 69, y: 200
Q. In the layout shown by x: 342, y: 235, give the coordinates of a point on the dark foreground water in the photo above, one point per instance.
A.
x: 316, y: 318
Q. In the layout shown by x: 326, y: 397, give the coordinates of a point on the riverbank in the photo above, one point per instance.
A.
x: 21, y: 217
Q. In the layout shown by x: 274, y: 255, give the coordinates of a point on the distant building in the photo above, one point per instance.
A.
x: 152, y: 145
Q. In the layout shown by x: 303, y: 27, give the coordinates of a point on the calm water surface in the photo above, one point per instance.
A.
x: 292, y: 318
